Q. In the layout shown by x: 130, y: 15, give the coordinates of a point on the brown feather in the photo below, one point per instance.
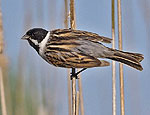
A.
x: 131, y: 59
x: 78, y: 34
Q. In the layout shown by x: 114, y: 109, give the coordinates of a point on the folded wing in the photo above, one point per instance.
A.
x: 78, y: 34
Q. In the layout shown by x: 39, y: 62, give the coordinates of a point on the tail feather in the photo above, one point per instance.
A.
x: 137, y: 56
x: 131, y: 59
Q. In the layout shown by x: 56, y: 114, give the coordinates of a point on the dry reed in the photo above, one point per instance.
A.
x: 81, y: 95
x: 2, y: 91
x: 72, y: 15
x: 113, y: 62
x: 68, y: 79
x: 120, y: 65
x: 73, y: 96
x: 77, y: 103
x: 72, y: 24
x: 69, y: 93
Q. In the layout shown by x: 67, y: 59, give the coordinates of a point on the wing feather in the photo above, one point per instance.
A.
x: 61, y: 49
x: 70, y: 59
x: 78, y: 34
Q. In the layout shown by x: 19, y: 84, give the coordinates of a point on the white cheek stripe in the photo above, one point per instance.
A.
x: 43, y: 43
x: 34, y: 41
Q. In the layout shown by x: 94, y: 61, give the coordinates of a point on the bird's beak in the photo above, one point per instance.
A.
x: 25, y: 37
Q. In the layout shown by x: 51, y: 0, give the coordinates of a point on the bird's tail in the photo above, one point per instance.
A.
x: 131, y: 59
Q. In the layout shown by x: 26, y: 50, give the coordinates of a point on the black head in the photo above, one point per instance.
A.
x: 35, y: 36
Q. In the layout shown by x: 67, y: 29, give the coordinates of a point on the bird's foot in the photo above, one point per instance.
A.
x: 73, y: 74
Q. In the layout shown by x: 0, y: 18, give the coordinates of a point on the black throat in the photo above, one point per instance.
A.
x: 36, y: 47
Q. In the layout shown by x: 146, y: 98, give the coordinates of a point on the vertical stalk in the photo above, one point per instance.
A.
x: 69, y: 93
x: 73, y: 93
x: 121, y: 65
x: 80, y: 95
x: 80, y: 98
x: 77, y: 103
x: 113, y: 62
x: 72, y: 24
x: 69, y: 84
x: 2, y: 91
x: 72, y: 15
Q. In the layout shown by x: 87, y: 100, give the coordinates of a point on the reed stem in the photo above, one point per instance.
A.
x: 121, y: 65
x: 73, y: 92
x: 69, y: 93
x: 2, y: 91
x: 81, y: 95
x: 113, y: 62
x: 72, y: 15
x: 72, y: 24
x: 69, y: 84
x: 77, y: 103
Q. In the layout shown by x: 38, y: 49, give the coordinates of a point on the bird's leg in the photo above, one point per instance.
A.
x: 80, y: 71
x: 73, y: 74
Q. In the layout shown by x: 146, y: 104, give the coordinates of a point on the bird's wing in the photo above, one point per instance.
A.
x: 68, y: 59
x: 65, y: 52
x: 78, y: 34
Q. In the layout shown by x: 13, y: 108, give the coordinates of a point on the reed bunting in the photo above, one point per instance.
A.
x: 70, y: 48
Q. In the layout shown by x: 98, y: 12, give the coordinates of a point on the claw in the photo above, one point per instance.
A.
x: 73, y: 74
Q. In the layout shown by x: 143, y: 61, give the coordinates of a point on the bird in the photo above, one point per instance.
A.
x: 69, y: 48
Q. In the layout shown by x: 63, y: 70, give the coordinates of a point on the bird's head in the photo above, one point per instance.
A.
x: 35, y: 36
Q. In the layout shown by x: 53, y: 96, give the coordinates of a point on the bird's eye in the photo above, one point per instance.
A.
x: 28, y: 33
x: 31, y: 34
